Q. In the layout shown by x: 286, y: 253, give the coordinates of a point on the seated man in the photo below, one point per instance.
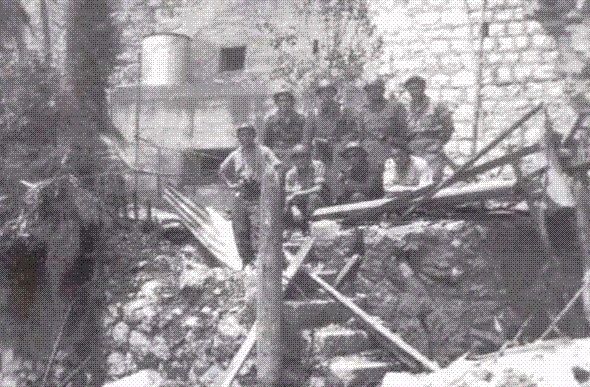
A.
x: 404, y: 174
x: 358, y: 182
x: 305, y: 186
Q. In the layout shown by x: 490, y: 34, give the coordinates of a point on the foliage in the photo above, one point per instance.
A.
x: 27, y: 104
x: 13, y: 20
x: 328, y: 38
x: 92, y: 45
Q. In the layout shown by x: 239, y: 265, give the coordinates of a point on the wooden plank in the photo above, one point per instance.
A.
x: 471, y: 162
x: 247, y: 346
x: 509, y: 158
x: 494, y: 189
x: 348, y: 270
x: 395, y: 342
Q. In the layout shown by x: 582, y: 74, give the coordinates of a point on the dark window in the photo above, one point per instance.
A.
x: 232, y: 59
x: 316, y: 47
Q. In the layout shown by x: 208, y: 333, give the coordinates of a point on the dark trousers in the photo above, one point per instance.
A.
x: 246, y: 226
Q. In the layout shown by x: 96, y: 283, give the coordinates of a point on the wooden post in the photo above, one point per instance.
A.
x: 159, y: 176
x: 270, y: 269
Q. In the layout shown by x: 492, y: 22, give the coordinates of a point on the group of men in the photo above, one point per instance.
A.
x: 334, y: 155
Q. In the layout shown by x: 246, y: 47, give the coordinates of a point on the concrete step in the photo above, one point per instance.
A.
x: 334, y: 340
x: 305, y: 314
x: 359, y: 370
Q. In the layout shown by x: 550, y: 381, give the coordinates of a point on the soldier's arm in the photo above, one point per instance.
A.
x: 267, y: 132
x: 445, y: 120
x: 225, y: 170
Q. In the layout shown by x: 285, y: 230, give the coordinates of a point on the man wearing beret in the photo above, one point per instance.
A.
x: 242, y: 171
x: 283, y: 129
x: 379, y: 119
x: 430, y: 126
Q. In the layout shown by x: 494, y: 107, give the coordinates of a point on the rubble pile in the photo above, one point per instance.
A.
x: 167, y: 311
x: 448, y: 287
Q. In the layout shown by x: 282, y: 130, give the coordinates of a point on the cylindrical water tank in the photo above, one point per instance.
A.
x: 165, y: 59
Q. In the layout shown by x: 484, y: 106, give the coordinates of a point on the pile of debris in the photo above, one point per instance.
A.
x: 168, y: 311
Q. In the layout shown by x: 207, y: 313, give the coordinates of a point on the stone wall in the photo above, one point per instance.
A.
x: 522, y: 63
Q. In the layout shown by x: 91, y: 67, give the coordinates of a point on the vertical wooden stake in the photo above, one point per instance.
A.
x: 159, y: 177
x: 270, y: 269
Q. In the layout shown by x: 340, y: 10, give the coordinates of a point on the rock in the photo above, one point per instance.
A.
x: 139, y: 310
x: 116, y: 364
x: 120, y: 334
x: 194, y: 277
x: 211, y: 375
x: 160, y: 348
x: 230, y: 327
x: 139, y: 344
x: 142, y: 378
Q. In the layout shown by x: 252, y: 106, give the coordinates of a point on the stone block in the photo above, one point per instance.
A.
x: 506, y: 43
x: 335, y: 340
x: 515, y: 28
x: 504, y: 74
x: 455, y: 17
x: 464, y: 78
x: 356, y: 371
x: 544, y: 72
x: 503, y: 15
x: 463, y: 112
x: 461, y: 46
x: 543, y: 42
x: 497, y: 29
x: 429, y: 18
x: 521, y: 42
x: 439, y: 46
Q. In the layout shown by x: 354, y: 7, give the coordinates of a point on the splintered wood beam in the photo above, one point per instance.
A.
x: 506, y: 159
x: 484, y: 190
x: 350, y: 269
x: 240, y: 357
x: 393, y: 341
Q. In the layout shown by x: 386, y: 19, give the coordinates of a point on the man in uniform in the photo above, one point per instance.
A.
x: 305, y: 186
x: 379, y: 119
x: 404, y: 174
x: 283, y: 129
x: 358, y: 182
x: 430, y: 126
x: 328, y: 128
x: 242, y: 171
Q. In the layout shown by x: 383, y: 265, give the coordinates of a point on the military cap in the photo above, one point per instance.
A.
x: 300, y: 150
x: 326, y: 84
x: 353, y: 146
x: 283, y: 91
x: 377, y: 83
x: 415, y: 80
x: 245, y: 126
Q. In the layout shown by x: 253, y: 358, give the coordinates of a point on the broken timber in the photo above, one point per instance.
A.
x: 247, y: 346
x: 434, y: 189
x: 395, y: 342
x: 485, y: 190
x: 208, y: 227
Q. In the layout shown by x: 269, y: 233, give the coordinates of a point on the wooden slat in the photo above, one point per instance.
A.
x: 495, y: 189
x: 395, y: 342
x: 247, y: 346
x: 350, y: 268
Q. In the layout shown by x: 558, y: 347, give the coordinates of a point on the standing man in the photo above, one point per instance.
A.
x: 328, y: 127
x: 430, y: 126
x: 305, y: 186
x: 283, y: 129
x: 358, y: 182
x: 242, y: 171
x: 379, y: 119
x: 404, y: 174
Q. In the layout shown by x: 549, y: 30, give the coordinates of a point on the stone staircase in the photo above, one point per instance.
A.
x: 323, y: 337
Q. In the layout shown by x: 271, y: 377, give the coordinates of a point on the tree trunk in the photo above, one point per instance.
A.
x: 44, y: 15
